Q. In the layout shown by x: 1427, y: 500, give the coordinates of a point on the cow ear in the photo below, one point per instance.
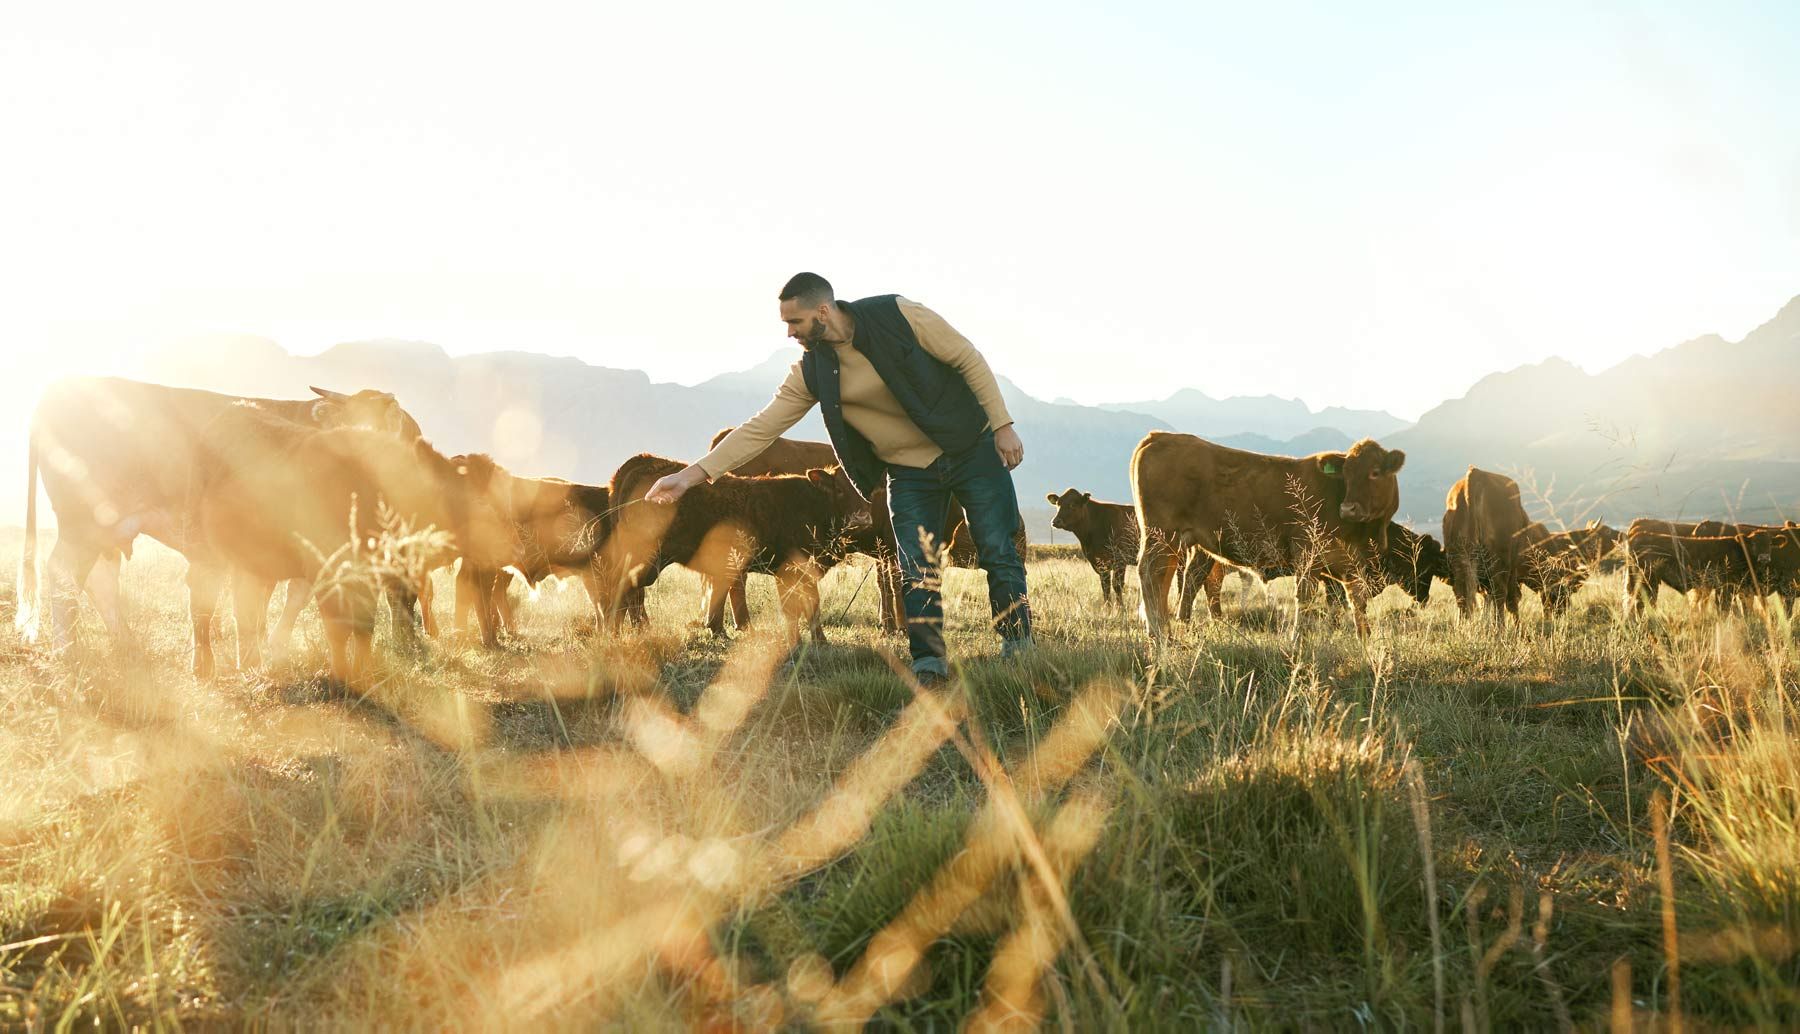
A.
x: 325, y: 411
x: 1331, y: 464
x: 1394, y: 461
x: 1087, y: 497
x: 1050, y: 497
x: 818, y: 476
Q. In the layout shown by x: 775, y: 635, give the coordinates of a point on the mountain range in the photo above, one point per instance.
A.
x: 1708, y: 427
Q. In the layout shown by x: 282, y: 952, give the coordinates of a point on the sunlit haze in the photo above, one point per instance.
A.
x: 1358, y: 209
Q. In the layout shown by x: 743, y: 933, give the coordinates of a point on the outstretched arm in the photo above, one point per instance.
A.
x: 790, y: 403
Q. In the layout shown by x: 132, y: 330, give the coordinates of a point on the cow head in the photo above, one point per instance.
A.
x: 1071, y: 510
x: 375, y: 410
x: 480, y: 494
x: 848, y: 506
x: 1368, y: 471
x: 1424, y: 560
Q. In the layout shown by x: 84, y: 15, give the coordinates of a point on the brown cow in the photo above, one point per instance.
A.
x: 1482, y: 513
x: 1556, y: 565
x: 789, y: 525
x: 792, y: 456
x: 797, y: 456
x: 1411, y: 561
x: 272, y: 502
x: 1108, y: 533
x: 1747, y: 558
x: 1329, y: 512
x: 561, y: 527
x: 116, y: 457
x: 1686, y: 563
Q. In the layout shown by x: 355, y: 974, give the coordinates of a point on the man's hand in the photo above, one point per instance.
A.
x: 1008, y: 445
x: 673, y: 487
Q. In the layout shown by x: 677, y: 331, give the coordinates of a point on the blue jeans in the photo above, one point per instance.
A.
x: 919, y: 499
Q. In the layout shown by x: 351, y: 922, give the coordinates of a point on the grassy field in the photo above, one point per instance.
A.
x: 1583, y: 824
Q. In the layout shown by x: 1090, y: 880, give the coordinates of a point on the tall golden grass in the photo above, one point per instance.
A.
x: 1583, y: 823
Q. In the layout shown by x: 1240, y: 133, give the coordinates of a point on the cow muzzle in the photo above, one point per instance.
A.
x: 1353, y: 512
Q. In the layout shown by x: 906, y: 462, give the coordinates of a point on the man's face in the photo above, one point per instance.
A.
x: 804, y: 325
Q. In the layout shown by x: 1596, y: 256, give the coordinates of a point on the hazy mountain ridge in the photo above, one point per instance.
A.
x: 1704, y: 428
x: 1682, y: 431
x: 1270, y: 416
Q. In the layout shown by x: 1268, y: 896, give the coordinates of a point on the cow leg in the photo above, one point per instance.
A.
x: 297, y: 593
x: 1118, y: 586
x: 740, y: 602
x: 349, y: 618
x: 402, y: 600
x: 428, y: 597
x: 1463, y: 581
x: 463, y: 595
x: 486, y: 611
x: 1358, y: 591
x: 250, y: 608
x: 1305, y: 588
x: 1186, y: 584
x: 1158, y: 560
x: 590, y: 581
x: 205, y: 581
x: 713, y: 597
x: 798, y: 586
x: 887, y: 583
x: 1214, y: 586
x: 103, y: 589
x: 68, y: 567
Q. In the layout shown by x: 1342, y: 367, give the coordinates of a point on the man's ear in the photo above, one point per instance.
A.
x: 1331, y: 464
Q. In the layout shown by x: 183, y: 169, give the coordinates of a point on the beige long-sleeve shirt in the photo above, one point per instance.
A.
x: 868, y: 405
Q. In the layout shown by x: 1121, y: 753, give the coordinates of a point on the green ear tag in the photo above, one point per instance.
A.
x: 1331, y: 469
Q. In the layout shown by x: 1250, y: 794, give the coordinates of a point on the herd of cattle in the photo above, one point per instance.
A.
x: 255, y: 492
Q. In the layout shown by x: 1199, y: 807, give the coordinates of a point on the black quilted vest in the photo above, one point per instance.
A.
x: 933, y: 393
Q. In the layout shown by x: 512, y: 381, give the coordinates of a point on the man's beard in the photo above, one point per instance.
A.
x: 816, y: 335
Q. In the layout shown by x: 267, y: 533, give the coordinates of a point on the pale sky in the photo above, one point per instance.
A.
x: 1311, y: 201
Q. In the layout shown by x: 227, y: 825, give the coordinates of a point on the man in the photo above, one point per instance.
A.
x: 909, y: 403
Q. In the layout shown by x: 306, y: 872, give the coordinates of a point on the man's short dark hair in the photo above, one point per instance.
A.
x: 809, y: 289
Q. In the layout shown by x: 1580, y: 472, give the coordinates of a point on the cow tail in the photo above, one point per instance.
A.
x: 25, y: 615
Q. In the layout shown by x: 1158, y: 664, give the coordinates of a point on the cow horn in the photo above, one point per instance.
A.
x: 335, y: 396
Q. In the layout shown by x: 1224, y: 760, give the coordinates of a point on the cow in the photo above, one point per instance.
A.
x: 876, y: 540
x: 1411, y: 561
x: 1747, y: 558
x: 561, y: 525
x: 1556, y: 564
x: 116, y: 457
x: 1482, y: 514
x: 1328, y: 511
x: 789, y: 525
x: 1107, y: 532
x: 797, y: 456
x: 274, y: 501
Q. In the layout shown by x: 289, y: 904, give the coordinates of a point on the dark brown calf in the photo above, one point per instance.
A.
x: 789, y: 525
x: 1108, y: 533
x: 874, y: 539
